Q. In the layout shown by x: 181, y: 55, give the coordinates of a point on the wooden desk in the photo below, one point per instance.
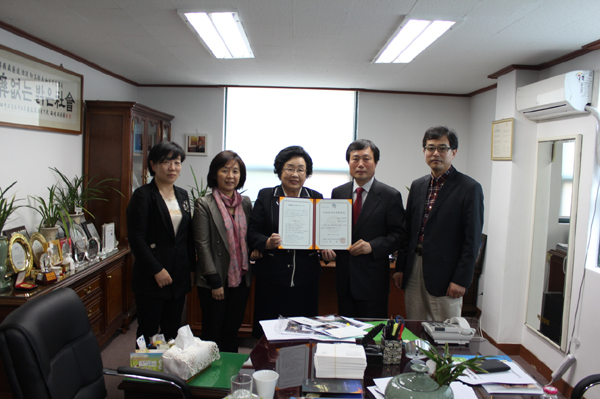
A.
x: 264, y: 356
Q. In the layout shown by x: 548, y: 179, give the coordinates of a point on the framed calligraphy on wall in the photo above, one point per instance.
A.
x: 35, y: 94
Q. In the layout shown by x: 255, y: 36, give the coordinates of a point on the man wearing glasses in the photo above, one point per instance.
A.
x: 444, y: 219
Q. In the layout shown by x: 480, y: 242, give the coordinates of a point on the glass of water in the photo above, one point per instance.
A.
x: 241, y: 386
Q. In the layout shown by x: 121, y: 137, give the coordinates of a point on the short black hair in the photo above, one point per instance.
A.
x: 291, y: 152
x: 218, y: 162
x: 362, y: 144
x: 165, y: 150
x: 437, y: 132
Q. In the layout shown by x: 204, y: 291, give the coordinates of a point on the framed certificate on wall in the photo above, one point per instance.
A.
x: 502, y: 139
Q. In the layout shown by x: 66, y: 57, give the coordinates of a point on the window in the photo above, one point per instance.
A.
x: 260, y: 122
x: 568, y: 162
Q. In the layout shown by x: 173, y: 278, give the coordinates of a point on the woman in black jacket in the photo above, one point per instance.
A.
x: 287, y: 281
x: 159, y: 230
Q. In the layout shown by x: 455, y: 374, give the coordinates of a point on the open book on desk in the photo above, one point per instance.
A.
x: 312, y: 223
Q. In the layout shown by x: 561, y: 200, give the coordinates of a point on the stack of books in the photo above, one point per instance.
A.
x: 347, y: 361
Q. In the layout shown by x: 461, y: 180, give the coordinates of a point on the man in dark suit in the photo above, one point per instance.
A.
x: 363, y: 271
x: 444, y: 222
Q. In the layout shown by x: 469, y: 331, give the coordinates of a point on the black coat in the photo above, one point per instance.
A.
x: 381, y: 224
x: 452, y: 232
x: 277, y: 265
x: 155, y: 244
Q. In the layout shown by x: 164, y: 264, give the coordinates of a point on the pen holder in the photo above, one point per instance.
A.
x: 392, y: 351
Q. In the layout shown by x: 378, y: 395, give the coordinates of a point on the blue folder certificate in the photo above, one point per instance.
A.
x: 308, y: 223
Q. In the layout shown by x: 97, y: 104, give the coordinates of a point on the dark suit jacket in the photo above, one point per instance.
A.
x: 212, y: 245
x: 155, y: 244
x: 277, y: 265
x: 381, y: 224
x: 452, y: 232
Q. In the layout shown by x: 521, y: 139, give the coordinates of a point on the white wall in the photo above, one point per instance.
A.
x: 27, y: 154
x: 510, y: 227
x: 196, y: 111
x: 396, y: 124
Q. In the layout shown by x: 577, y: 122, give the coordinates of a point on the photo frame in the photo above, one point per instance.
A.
x: 195, y: 144
x: 48, y: 97
x: 21, y: 230
x: 502, y: 139
x: 90, y: 230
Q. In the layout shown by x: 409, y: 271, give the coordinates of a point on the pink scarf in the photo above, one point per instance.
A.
x: 238, y: 249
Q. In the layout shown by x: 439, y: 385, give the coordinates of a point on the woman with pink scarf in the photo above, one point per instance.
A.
x: 223, y: 275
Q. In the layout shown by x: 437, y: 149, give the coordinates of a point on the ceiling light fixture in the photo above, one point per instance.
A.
x: 221, y: 32
x: 412, y: 38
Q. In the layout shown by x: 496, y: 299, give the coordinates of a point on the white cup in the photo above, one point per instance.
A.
x: 265, y: 382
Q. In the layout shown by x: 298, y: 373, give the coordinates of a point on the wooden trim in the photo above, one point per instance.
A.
x: 476, y: 92
x: 43, y: 43
x: 585, y: 49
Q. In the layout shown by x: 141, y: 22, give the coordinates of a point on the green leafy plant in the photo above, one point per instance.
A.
x: 7, y: 206
x: 446, y: 369
x: 198, y: 191
x: 50, y: 210
x: 76, y: 193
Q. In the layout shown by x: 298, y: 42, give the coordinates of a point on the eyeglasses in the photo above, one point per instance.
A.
x: 291, y: 171
x: 442, y: 149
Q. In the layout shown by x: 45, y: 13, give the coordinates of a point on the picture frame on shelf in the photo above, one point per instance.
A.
x: 90, y: 230
x: 195, y: 144
x: 21, y: 230
x: 37, y: 242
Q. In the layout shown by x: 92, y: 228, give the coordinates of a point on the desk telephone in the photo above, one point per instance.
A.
x: 454, y: 331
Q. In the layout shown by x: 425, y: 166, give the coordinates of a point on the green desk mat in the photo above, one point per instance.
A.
x: 407, y: 335
x: 218, y: 374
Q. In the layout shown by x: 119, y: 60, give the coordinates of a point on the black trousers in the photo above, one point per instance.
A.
x: 221, y: 319
x: 351, y: 307
x: 158, y: 315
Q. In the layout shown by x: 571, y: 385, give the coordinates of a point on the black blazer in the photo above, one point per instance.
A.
x: 277, y: 265
x: 155, y: 244
x: 381, y: 224
x: 452, y: 232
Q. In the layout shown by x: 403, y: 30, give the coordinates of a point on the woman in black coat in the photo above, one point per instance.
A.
x: 159, y: 230
x: 287, y: 281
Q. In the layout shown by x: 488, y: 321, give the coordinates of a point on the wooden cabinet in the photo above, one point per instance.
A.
x: 118, y: 136
x: 101, y: 287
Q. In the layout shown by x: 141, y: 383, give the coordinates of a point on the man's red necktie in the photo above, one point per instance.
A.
x: 357, y: 205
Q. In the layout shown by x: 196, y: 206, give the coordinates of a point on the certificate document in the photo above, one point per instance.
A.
x: 308, y: 223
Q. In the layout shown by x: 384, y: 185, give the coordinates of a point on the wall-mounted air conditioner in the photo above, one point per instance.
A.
x: 562, y: 95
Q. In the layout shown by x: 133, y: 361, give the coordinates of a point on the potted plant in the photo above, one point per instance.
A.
x: 198, y: 191
x: 76, y: 193
x: 50, y: 211
x: 7, y: 207
x: 437, y: 386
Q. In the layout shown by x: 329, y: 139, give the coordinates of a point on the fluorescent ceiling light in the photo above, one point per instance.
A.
x: 222, y: 33
x: 415, y: 36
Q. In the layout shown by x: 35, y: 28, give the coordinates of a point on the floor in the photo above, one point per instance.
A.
x: 116, y: 354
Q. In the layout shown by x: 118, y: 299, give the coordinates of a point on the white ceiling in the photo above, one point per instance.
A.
x: 312, y: 43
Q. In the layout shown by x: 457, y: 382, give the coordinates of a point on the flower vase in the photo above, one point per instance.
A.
x: 3, y: 252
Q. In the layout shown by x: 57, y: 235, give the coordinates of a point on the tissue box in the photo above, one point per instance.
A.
x: 190, y: 355
x: 147, y: 360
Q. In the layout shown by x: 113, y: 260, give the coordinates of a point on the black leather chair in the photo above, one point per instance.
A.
x: 49, y: 350
x: 585, y: 384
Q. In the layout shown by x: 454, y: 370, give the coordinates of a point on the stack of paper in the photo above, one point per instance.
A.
x: 340, y: 361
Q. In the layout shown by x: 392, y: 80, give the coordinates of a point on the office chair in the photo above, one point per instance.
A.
x: 585, y: 384
x: 49, y: 350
